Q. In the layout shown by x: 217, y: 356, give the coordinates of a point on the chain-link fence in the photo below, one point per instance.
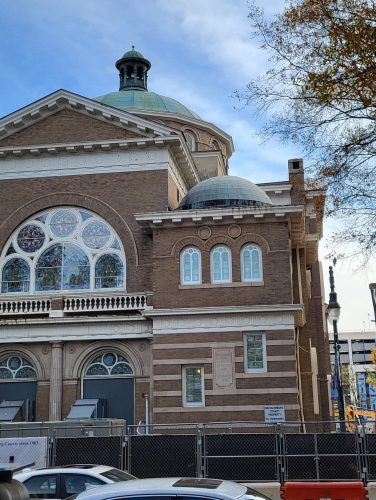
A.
x: 102, y: 445
x: 240, y: 451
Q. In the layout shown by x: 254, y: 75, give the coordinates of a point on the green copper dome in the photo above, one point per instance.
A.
x: 133, y: 53
x: 224, y: 191
x: 133, y: 90
x: 141, y: 99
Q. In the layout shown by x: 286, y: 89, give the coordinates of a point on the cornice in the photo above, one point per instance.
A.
x: 62, y: 99
x: 206, y: 154
x: 197, y: 311
x: 219, y: 216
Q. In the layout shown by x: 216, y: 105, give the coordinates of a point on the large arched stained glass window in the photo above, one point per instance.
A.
x: 62, y: 267
x: 221, y: 265
x: 251, y: 263
x: 190, y: 266
x: 64, y: 248
x: 16, y: 367
x: 109, y: 364
x: 109, y: 272
x: 16, y: 276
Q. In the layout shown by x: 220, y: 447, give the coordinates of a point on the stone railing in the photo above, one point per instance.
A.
x: 58, y: 307
x: 24, y: 306
x: 117, y: 303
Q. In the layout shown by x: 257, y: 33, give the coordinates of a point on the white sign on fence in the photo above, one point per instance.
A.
x: 24, y: 450
x: 274, y: 414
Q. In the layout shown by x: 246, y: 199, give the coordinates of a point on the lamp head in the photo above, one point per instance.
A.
x: 333, y: 309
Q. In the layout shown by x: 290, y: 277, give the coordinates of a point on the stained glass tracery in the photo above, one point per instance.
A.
x: 16, y: 276
x: 191, y: 266
x: 221, y: 265
x: 109, y: 272
x: 16, y: 367
x: 251, y: 263
x: 109, y: 363
x: 31, y: 238
x: 63, y: 223
x: 96, y: 234
x: 62, y: 266
x: 53, y: 248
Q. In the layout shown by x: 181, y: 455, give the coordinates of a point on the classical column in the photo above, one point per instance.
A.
x: 56, y: 380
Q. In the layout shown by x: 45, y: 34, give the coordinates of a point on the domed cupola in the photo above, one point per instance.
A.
x: 133, y: 69
x: 224, y: 191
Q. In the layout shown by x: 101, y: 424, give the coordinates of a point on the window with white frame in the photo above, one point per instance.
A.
x: 62, y: 249
x: 255, y: 355
x: 190, y: 266
x: 191, y: 141
x: 251, y: 263
x: 221, y: 265
x: 193, y: 386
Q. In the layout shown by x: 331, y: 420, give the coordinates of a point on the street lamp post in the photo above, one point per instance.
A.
x: 334, y: 310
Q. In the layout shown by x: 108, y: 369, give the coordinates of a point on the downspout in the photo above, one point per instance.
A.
x: 301, y: 408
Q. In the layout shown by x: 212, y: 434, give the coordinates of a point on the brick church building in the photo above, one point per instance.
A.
x: 133, y: 264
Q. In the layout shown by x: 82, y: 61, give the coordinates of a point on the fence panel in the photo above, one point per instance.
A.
x: 322, y: 456
x: 370, y: 456
x: 101, y: 450
x: 162, y: 455
x: 241, y: 457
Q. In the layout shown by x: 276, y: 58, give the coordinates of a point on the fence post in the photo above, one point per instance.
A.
x: 199, y: 465
x: 280, y: 453
x: 54, y: 448
x: 317, y: 458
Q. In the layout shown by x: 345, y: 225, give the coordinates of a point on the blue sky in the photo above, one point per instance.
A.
x: 201, y: 51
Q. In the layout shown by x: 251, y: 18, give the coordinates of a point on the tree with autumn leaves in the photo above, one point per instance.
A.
x: 320, y: 94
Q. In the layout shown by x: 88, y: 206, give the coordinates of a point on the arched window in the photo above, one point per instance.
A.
x: 130, y: 72
x: 190, y: 266
x: 109, y: 272
x: 139, y: 73
x: 16, y: 276
x: 221, y: 265
x: 63, y: 249
x: 251, y: 263
x: 62, y: 267
x: 16, y: 367
x: 109, y: 364
x: 191, y: 141
x: 215, y: 145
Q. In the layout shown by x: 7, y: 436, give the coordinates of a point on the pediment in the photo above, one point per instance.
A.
x: 64, y: 117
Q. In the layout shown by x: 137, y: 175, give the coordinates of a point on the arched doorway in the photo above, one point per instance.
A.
x: 110, y: 376
x: 18, y: 382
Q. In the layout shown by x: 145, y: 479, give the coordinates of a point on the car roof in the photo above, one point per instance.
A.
x: 169, y: 486
x: 77, y: 469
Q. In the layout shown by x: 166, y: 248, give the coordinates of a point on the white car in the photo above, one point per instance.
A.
x: 61, y: 482
x: 172, y: 489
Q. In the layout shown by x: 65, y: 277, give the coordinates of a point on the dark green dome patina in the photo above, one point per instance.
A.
x: 131, y: 54
x: 133, y: 92
x: 139, y: 99
x: 224, y: 191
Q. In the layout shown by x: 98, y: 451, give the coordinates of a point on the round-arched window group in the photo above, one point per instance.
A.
x: 220, y: 264
x: 63, y: 249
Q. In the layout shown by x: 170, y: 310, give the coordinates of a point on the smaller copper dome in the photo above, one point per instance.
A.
x: 224, y: 191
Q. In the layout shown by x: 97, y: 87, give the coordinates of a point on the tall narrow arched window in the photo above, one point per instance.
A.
x: 16, y: 276
x: 251, y: 263
x: 215, y: 146
x: 109, y: 272
x: 191, y: 141
x: 221, y: 265
x: 190, y: 266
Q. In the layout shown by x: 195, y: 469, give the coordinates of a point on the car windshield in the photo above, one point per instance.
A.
x: 117, y: 475
x: 251, y: 494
